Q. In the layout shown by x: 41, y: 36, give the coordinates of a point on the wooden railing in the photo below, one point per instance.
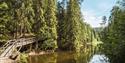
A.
x: 14, y: 44
x: 2, y: 49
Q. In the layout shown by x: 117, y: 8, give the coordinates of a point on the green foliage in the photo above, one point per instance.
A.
x: 113, y: 35
x: 45, y: 23
x: 23, y: 58
x: 21, y: 17
x: 4, y: 18
x: 73, y: 33
x: 49, y: 44
x: 53, y: 24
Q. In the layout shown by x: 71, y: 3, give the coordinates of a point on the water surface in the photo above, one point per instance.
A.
x: 67, y: 57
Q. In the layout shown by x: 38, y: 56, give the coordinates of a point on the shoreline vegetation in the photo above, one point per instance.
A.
x: 59, y: 24
x: 39, y: 53
x: 54, y: 24
x: 22, y: 58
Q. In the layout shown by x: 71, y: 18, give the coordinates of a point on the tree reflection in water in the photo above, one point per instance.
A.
x: 61, y: 57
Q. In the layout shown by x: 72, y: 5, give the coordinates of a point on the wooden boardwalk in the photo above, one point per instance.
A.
x: 8, y: 49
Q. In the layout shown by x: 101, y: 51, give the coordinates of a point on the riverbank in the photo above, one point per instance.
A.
x: 40, y: 53
x: 61, y: 57
x: 23, y: 57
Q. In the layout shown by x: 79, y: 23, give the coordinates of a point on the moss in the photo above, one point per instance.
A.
x: 23, y: 58
x: 3, y: 6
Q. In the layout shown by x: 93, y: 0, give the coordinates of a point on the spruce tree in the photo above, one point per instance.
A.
x: 4, y: 18
x: 40, y: 26
x: 48, y: 28
x: 72, y: 26
x: 73, y: 33
x: 114, y: 34
x: 61, y: 15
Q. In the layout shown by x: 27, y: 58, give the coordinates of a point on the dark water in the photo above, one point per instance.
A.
x: 67, y: 57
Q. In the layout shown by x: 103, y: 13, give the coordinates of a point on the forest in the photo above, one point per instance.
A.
x: 58, y: 25
x: 55, y: 25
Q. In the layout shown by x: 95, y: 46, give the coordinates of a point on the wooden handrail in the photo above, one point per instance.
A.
x: 17, y: 43
x: 9, y: 49
x: 4, y: 47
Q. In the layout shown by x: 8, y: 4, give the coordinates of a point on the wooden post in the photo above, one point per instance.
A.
x: 30, y: 47
x: 36, y: 46
x: 30, y: 59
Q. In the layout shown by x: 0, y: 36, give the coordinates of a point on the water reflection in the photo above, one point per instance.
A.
x: 66, y: 57
x: 99, y: 59
x: 48, y: 58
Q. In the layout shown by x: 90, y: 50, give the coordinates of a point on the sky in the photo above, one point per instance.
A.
x: 93, y: 10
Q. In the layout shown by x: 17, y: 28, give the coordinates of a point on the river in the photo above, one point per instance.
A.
x: 68, y: 57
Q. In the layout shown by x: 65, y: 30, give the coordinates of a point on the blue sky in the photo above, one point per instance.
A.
x: 93, y: 10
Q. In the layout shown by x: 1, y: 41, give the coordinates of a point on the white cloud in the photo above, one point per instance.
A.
x: 93, y: 12
x: 91, y: 18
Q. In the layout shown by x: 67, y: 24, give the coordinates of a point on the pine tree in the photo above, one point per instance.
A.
x: 73, y: 33
x: 29, y: 13
x: 72, y: 28
x: 21, y: 17
x: 47, y: 24
x: 61, y: 15
x: 114, y: 34
x: 40, y: 26
x: 4, y: 18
